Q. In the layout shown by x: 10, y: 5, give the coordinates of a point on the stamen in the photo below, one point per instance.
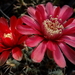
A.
x: 60, y: 19
x: 8, y: 35
x: 53, y: 26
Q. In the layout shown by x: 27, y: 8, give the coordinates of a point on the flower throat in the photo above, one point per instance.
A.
x: 52, y: 27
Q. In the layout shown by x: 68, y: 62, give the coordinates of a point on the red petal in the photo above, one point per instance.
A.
x: 17, y: 53
x: 38, y: 53
x: 14, y: 25
x: 4, y: 49
x: 38, y: 17
x: 33, y: 41
x: 49, y: 8
x: 31, y: 12
x: 69, y: 31
x: 3, y: 21
x: 58, y: 57
x: 69, y: 41
x: 30, y: 22
x: 68, y: 52
x: 1, y: 49
x: 22, y: 39
x: 4, y: 28
x: 68, y: 22
x: 65, y: 12
x: 3, y: 57
x: 7, y: 41
x: 70, y: 37
x: 1, y: 45
x: 42, y: 11
x: 18, y: 22
x: 26, y: 30
x: 13, y: 20
x: 56, y: 11
x: 51, y: 46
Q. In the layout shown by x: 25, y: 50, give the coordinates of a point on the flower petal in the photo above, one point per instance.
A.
x: 3, y: 57
x: 4, y: 49
x: 30, y: 22
x: 31, y: 12
x: 7, y: 41
x: 58, y: 57
x: 42, y: 11
x: 68, y: 52
x: 38, y: 17
x: 24, y: 29
x: 1, y: 49
x: 22, y: 39
x: 33, y: 41
x: 49, y: 8
x: 69, y: 41
x: 69, y: 31
x: 68, y: 22
x: 13, y: 20
x: 65, y: 12
x: 38, y: 53
x: 56, y: 54
x: 4, y: 28
x: 3, y: 21
x: 17, y: 53
x: 51, y: 46
x: 56, y: 11
x: 70, y: 37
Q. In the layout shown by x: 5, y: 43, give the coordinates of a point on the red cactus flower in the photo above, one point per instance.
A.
x: 52, y: 32
x: 10, y: 40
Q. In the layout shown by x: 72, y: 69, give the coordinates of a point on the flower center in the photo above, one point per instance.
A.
x: 52, y: 27
x: 8, y: 35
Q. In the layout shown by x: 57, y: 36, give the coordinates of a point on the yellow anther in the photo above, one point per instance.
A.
x: 7, y: 35
x: 60, y: 19
x: 53, y: 26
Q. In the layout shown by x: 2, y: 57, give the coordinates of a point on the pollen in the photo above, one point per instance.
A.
x: 7, y: 35
x: 52, y: 26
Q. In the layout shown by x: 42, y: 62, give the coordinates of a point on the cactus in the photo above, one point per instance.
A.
x: 28, y: 67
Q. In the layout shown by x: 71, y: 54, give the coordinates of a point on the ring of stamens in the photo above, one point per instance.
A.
x: 52, y: 26
x: 8, y: 35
